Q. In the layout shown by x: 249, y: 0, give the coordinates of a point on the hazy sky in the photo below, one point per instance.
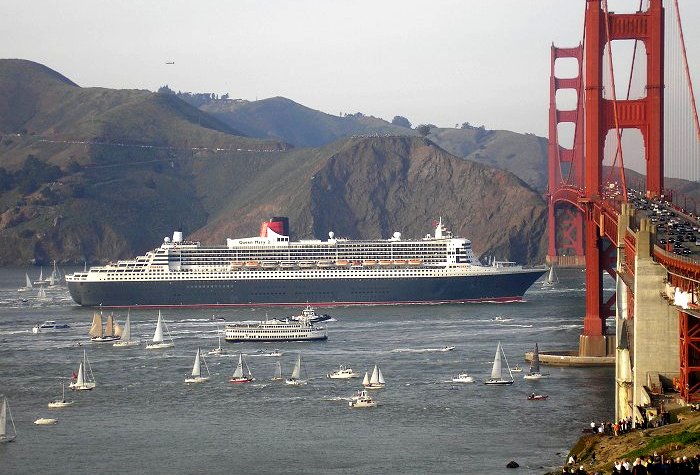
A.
x: 439, y: 61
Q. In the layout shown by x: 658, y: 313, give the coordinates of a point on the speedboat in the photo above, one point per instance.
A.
x: 273, y: 353
x: 537, y: 397
x: 49, y: 325
x: 362, y: 399
x: 45, y: 421
x: 463, y: 378
x: 516, y: 369
x: 448, y: 348
x: 343, y: 372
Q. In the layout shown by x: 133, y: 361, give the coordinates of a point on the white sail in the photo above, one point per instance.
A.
x: 380, y: 378
x: 3, y: 418
x: 28, y: 284
x: 365, y: 380
x: 96, y: 328
x: 278, y: 371
x: 296, y: 373
x: 496, y: 371
x: 126, y: 332
x: 375, y: 375
x: 196, y: 370
x: 158, y: 335
x: 81, y: 376
x: 239, y: 369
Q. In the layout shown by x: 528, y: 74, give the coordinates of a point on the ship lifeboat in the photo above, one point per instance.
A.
x: 386, y: 262
x: 415, y: 262
x: 369, y: 263
x: 325, y: 263
x: 288, y: 264
x: 268, y: 264
x: 306, y: 264
x: 252, y: 264
x: 237, y: 264
x: 342, y: 263
x: 400, y: 262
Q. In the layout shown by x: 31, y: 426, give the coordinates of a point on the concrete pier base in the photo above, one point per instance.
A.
x: 596, y: 346
x: 571, y: 358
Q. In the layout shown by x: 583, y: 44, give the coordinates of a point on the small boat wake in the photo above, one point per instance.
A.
x: 421, y: 350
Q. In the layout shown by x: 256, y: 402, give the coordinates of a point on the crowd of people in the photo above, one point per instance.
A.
x: 655, y: 464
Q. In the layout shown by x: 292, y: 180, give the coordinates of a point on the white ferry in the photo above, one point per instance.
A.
x: 275, y: 330
x: 272, y: 270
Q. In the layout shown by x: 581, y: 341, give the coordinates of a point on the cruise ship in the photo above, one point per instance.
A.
x: 270, y: 269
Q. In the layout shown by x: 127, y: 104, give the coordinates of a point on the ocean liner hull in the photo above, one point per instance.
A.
x: 496, y: 287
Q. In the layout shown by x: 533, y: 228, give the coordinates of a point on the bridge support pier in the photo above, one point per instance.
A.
x: 647, y: 340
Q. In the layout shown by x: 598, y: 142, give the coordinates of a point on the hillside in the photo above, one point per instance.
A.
x: 524, y: 155
x: 283, y: 119
x: 371, y: 187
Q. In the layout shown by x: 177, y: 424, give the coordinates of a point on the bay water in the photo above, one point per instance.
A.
x: 143, y: 418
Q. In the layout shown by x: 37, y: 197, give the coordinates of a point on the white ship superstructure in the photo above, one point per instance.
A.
x: 271, y: 269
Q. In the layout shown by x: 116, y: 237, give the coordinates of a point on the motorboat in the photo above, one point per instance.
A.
x: 309, y: 315
x: 361, y: 400
x: 45, y: 421
x: 49, y: 325
x: 273, y: 353
x: 343, y: 372
x: 463, y: 378
x: 516, y: 369
x: 448, y: 348
x: 537, y: 397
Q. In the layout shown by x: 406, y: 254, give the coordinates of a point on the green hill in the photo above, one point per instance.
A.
x: 285, y: 120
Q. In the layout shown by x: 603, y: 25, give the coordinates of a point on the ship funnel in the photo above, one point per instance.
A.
x: 278, y: 224
x: 177, y: 236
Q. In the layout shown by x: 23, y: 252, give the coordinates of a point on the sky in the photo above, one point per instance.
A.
x: 445, y: 62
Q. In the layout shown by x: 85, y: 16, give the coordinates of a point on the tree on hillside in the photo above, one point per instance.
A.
x: 165, y: 90
x: 424, y: 129
x: 401, y: 121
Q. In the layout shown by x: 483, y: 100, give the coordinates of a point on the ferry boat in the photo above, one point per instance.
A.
x: 275, y: 329
x: 442, y: 269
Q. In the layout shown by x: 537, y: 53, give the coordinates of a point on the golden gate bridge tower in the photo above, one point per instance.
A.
x: 655, y: 303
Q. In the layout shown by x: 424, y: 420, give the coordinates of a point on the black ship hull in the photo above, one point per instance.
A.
x: 496, y: 287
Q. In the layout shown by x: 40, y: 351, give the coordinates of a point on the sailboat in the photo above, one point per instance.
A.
x: 497, y: 370
x: 295, y: 379
x: 278, y: 372
x: 59, y: 403
x: 535, y: 372
x: 218, y: 350
x: 126, y: 334
x: 41, y: 280
x: 376, y: 381
x: 197, y: 370
x: 55, y: 277
x: 239, y: 376
x: 110, y: 332
x: 551, y: 278
x: 85, y: 380
x: 158, y: 341
x: 27, y: 285
x: 4, y: 411
x: 41, y: 294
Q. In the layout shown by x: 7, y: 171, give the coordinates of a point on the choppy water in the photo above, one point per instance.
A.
x: 142, y: 418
